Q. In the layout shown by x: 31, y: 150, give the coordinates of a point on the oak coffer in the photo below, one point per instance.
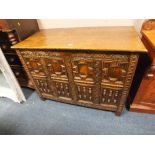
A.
x: 92, y: 67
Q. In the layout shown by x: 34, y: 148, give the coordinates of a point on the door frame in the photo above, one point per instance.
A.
x: 11, y: 79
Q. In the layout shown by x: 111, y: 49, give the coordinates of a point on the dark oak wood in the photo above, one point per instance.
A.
x: 4, y: 24
x: 23, y: 27
x: 144, y: 100
x: 89, y: 73
x: 12, y: 32
x: 97, y: 38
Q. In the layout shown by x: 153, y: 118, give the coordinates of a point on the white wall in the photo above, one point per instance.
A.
x: 138, y: 24
x: 61, y: 23
x: 57, y: 23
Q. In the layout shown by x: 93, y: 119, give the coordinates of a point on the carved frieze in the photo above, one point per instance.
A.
x: 34, y: 54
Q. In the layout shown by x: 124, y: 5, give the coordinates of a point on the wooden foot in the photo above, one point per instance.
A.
x: 43, y: 99
x: 118, y: 113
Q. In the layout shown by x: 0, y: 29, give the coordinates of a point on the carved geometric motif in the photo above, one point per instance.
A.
x: 83, y: 76
x: 57, y: 73
x: 91, y: 78
x: 35, y: 66
x: 86, y: 70
x: 43, y: 86
x: 114, y: 71
x: 82, y: 69
x: 56, y: 68
x: 34, y: 54
x: 63, y: 90
x: 85, y: 93
x: 110, y: 96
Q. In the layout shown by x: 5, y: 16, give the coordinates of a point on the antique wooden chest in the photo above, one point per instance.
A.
x: 92, y: 67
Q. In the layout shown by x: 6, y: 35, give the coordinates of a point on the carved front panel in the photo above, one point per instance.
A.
x: 43, y: 86
x: 57, y: 72
x: 114, y: 71
x: 83, y: 76
x: 100, y: 78
x: 63, y: 90
x: 56, y: 67
x: 96, y: 80
x: 83, y: 69
x: 85, y: 93
x: 110, y: 95
x: 35, y: 66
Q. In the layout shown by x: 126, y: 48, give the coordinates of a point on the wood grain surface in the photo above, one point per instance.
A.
x: 144, y: 100
x: 94, y: 38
